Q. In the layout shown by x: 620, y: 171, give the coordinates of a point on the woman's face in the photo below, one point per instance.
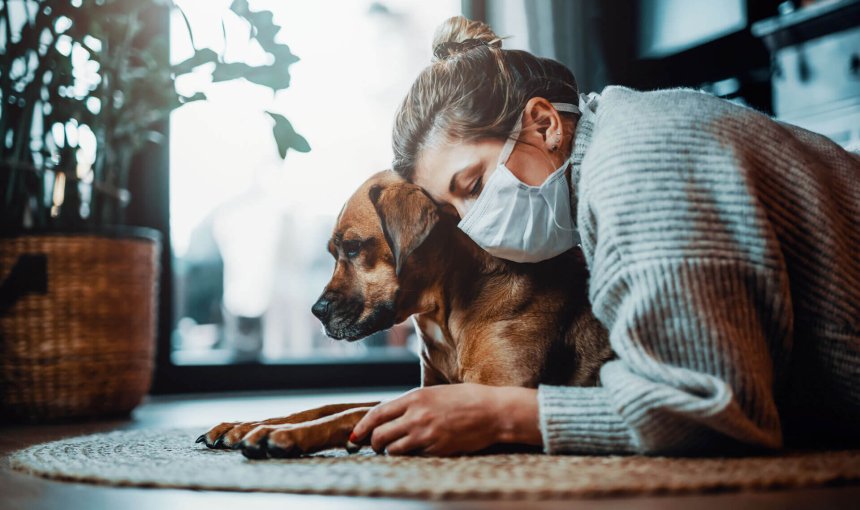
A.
x: 453, y: 173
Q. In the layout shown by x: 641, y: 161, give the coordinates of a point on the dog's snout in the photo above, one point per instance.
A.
x: 322, y: 308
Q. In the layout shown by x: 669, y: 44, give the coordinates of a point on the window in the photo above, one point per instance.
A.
x: 671, y: 26
x: 249, y: 230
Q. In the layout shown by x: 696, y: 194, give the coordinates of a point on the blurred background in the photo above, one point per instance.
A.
x: 248, y: 229
x: 245, y: 199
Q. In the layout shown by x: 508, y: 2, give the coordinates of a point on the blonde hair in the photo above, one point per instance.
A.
x: 472, y: 90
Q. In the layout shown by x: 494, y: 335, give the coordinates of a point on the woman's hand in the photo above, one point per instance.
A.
x: 451, y: 419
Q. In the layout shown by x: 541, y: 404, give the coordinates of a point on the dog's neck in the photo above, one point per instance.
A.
x: 446, y: 262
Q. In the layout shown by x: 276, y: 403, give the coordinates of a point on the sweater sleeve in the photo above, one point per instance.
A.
x: 683, y: 229
x: 694, y: 370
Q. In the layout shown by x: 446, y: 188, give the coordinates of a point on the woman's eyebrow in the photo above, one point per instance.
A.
x: 453, y: 184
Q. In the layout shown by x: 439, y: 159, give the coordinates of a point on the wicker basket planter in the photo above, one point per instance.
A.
x: 77, y: 323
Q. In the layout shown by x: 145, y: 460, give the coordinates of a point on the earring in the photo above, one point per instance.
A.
x: 555, y: 145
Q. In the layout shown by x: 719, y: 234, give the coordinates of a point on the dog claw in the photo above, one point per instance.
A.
x: 201, y: 439
x: 237, y: 446
x: 352, y: 447
x: 219, y: 443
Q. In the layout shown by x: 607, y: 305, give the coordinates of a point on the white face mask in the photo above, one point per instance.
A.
x: 518, y: 222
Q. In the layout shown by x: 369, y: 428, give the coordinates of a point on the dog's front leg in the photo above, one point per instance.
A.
x: 294, y: 439
x: 229, y: 434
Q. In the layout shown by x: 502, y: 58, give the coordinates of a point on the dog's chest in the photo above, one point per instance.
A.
x: 438, y: 352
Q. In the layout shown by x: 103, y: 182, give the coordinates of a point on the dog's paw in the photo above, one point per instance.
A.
x: 280, y: 441
x: 227, y: 434
x: 233, y: 438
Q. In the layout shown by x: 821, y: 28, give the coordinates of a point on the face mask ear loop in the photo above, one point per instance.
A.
x: 511, y: 142
x: 569, y: 108
x: 566, y: 107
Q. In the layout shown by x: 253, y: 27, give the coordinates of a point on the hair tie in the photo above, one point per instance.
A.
x: 446, y: 50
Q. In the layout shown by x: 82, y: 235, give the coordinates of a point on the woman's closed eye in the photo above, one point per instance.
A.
x: 476, y: 187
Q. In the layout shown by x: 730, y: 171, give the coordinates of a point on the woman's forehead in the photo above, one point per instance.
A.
x: 436, y: 165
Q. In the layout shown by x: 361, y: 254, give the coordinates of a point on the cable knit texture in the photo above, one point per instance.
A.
x: 724, y: 250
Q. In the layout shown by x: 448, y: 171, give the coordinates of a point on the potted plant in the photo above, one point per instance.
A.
x: 84, y: 87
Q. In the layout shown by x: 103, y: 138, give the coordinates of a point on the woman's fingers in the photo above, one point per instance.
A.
x: 405, y: 445
x: 380, y: 414
x: 387, y: 433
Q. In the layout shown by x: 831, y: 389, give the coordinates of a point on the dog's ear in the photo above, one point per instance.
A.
x: 407, y: 215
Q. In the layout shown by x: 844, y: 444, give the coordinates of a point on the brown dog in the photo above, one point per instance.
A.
x: 481, y: 319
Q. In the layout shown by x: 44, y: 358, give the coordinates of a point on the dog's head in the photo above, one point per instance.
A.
x: 380, y: 226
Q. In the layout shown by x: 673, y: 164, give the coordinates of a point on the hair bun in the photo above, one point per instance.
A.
x: 448, y: 49
x: 457, y: 35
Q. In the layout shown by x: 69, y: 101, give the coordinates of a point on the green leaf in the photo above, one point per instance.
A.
x: 265, y: 30
x: 200, y: 57
x: 239, y: 7
x: 225, y: 71
x: 282, y: 54
x: 198, y: 96
x: 286, y: 137
x: 272, y: 76
x: 263, y: 25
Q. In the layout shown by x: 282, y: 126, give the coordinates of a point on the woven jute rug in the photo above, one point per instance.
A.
x: 170, y: 458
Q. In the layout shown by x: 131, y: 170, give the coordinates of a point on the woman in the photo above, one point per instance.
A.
x: 723, y: 249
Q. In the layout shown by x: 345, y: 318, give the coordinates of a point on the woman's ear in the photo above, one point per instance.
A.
x: 542, y: 119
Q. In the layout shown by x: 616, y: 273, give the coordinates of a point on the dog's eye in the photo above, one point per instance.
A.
x: 351, y: 248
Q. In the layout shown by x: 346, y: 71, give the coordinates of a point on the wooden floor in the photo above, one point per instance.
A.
x: 24, y: 492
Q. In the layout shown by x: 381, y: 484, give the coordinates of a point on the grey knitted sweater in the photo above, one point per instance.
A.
x: 724, y: 250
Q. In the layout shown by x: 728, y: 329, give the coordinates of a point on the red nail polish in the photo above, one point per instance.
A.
x: 353, y: 438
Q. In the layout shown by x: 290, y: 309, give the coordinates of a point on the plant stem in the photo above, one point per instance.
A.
x: 31, y: 94
x: 5, y: 111
x: 5, y: 81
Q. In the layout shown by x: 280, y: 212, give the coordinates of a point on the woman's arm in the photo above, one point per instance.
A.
x: 697, y: 341
x: 688, y: 273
